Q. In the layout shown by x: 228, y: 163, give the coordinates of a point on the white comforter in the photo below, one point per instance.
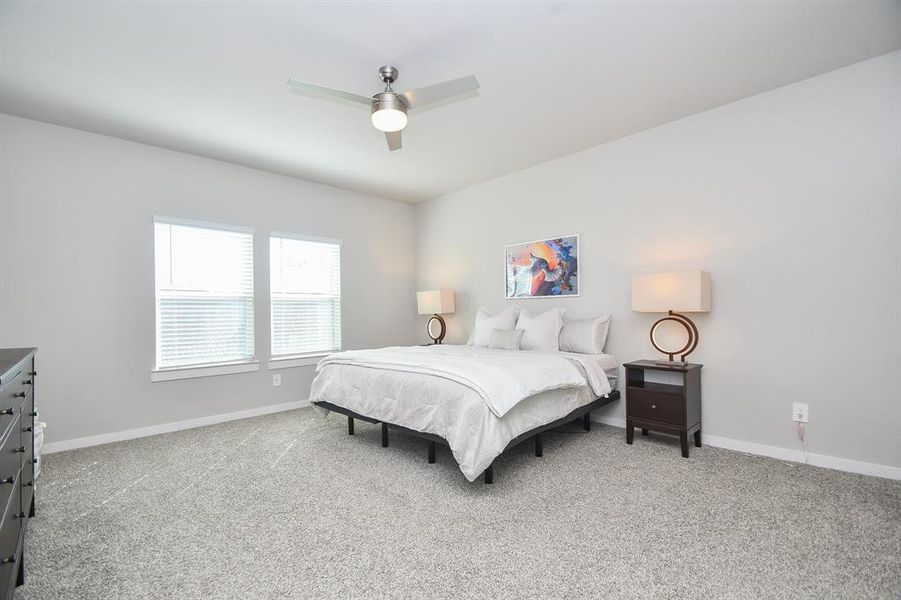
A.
x: 500, y: 377
x: 442, y: 405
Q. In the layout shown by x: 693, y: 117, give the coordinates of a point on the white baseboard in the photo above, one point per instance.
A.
x: 130, y: 434
x: 817, y: 460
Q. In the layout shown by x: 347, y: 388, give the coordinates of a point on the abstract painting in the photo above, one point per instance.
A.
x: 543, y: 268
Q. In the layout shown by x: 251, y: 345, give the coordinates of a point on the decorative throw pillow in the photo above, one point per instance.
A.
x: 486, y: 322
x: 542, y: 331
x: 587, y: 336
x: 505, y: 339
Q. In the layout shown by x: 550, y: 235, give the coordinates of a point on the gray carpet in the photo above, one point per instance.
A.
x: 289, y: 506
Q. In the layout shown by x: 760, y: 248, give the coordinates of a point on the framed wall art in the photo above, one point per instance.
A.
x: 543, y: 268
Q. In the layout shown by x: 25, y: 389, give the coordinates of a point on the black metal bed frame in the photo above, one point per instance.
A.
x: 583, y: 412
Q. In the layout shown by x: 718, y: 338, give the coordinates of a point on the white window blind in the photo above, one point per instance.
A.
x: 305, y: 281
x: 204, y: 293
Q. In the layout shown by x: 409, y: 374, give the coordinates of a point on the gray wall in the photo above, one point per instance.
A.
x: 76, y: 271
x: 790, y: 199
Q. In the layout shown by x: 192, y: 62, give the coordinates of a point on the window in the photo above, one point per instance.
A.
x: 204, y: 293
x: 305, y: 287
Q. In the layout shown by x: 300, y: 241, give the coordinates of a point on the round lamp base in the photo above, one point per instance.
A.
x: 436, y: 329
x: 690, y: 344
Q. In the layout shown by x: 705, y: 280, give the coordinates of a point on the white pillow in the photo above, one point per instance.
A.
x: 542, y: 331
x: 486, y: 323
x: 586, y: 336
x: 505, y: 339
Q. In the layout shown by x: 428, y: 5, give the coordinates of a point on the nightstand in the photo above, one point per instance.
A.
x: 671, y: 407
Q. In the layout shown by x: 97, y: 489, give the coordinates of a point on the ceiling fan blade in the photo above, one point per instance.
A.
x: 326, y: 93
x: 438, y: 93
x: 394, y: 140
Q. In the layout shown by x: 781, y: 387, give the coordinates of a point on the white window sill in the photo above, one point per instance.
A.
x: 203, y: 371
x: 306, y: 360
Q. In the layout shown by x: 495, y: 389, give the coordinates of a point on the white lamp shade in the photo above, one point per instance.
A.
x: 435, y: 302
x: 681, y: 291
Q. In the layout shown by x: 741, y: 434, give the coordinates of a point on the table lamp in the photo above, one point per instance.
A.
x: 683, y: 291
x: 435, y: 303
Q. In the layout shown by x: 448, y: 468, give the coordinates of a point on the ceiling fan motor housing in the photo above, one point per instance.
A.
x: 388, y: 101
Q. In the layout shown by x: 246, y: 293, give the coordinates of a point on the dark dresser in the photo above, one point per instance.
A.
x: 17, y: 375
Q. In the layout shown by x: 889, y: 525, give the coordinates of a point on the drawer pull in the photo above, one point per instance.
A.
x: 33, y: 461
x: 20, y: 515
x: 19, y: 449
x: 8, y: 559
x: 32, y: 373
x: 33, y: 413
x: 27, y: 429
x: 28, y: 484
x: 8, y: 411
x: 653, y: 406
x: 27, y: 382
x: 9, y: 479
x: 19, y: 395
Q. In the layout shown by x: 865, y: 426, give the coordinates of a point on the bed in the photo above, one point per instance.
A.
x: 478, y: 401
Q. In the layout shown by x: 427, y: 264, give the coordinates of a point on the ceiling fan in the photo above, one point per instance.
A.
x: 389, y: 108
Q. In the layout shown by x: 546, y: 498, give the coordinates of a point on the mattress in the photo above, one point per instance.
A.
x: 607, y: 362
x: 445, y: 408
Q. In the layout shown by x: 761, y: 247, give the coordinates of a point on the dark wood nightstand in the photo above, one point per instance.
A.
x: 668, y: 407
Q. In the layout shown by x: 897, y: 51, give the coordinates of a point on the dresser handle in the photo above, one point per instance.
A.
x: 28, y: 429
x: 28, y: 484
x: 19, y: 449
x: 10, y: 479
x: 21, y: 515
x: 19, y: 395
x: 27, y: 382
x: 653, y: 406
x: 8, y: 411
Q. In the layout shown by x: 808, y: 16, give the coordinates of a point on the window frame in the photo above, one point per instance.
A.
x: 286, y: 361
x: 208, y: 369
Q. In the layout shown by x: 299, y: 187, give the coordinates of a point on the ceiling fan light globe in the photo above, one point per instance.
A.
x: 389, y: 119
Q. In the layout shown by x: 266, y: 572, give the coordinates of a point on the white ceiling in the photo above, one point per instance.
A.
x: 209, y: 77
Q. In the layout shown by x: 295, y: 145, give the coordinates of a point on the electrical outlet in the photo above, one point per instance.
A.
x: 800, y: 412
x: 276, y: 379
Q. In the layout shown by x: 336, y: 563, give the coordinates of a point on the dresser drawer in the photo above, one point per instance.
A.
x: 26, y: 483
x: 26, y: 431
x: 18, y: 380
x: 10, y: 407
x: 10, y: 464
x: 654, y: 406
x: 10, y: 529
x: 26, y: 480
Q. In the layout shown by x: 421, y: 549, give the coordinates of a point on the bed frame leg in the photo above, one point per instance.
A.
x: 384, y: 435
x: 539, y: 445
x: 586, y: 421
x: 431, y: 453
x: 350, y: 425
x: 489, y: 474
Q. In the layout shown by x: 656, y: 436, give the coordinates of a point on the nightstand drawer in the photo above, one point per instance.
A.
x: 663, y: 408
